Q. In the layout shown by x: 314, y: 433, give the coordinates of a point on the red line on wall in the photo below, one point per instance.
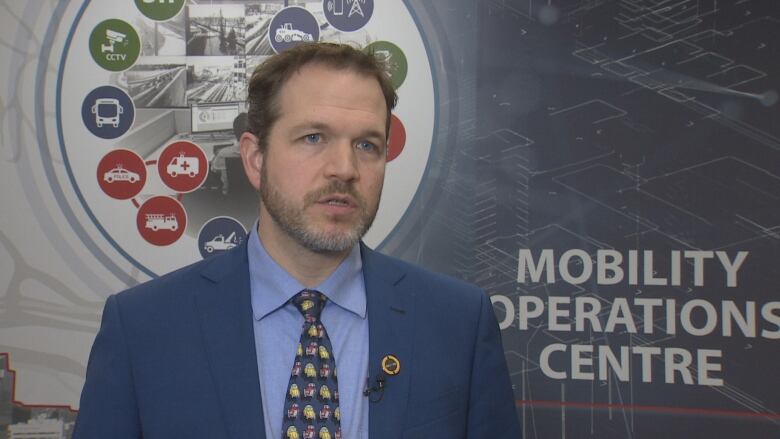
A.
x: 649, y: 408
x: 179, y: 196
x: 13, y: 390
x: 151, y: 162
x: 135, y: 203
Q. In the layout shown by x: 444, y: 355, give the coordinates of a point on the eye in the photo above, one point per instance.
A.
x: 367, y: 146
x: 313, y: 138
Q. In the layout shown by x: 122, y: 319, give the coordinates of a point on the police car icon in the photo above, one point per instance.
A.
x: 120, y: 174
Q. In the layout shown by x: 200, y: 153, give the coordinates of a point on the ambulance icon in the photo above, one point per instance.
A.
x: 183, y: 165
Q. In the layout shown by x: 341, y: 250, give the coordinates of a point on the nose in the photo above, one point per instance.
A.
x: 342, y: 162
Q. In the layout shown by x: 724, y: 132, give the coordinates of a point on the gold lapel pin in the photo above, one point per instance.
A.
x: 391, y: 365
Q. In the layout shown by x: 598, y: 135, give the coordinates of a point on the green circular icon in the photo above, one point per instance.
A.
x: 393, y: 58
x: 114, y: 45
x: 159, y: 10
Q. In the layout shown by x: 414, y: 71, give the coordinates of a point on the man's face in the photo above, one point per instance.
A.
x: 322, y: 170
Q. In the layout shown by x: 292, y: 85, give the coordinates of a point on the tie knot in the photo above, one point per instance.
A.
x: 310, y: 303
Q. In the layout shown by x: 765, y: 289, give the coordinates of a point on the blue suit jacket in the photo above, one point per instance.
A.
x: 175, y: 357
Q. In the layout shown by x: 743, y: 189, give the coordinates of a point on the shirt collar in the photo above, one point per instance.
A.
x: 272, y: 286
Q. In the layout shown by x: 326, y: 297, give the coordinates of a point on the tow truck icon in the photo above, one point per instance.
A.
x: 221, y: 243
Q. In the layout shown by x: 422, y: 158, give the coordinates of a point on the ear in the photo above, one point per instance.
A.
x: 252, y: 158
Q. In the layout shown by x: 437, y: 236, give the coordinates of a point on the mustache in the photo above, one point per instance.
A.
x: 334, y: 187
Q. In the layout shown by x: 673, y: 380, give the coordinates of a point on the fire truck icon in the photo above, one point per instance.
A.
x: 161, y: 220
x: 183, y: 165
x: 158, y: 221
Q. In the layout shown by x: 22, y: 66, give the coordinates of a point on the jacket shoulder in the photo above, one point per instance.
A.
x: 182, y: 282
x: 432, y: 284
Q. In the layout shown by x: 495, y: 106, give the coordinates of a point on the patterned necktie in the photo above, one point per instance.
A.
x: 311, y: 407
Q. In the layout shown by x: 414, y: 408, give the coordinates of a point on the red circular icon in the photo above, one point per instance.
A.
x: 161, y: 220
x: 397, y: 138
x: 183, y: 166
x: 121, y: 174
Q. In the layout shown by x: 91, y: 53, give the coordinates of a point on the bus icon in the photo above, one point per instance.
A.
x: 107, y: 112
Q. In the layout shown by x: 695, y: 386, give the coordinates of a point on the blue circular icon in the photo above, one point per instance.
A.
x: 291, y: 26
x: 219, y: 235
x: 108, y: 112
x: 348, y: 15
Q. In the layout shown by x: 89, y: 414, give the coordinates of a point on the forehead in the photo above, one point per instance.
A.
x: 318, y: 90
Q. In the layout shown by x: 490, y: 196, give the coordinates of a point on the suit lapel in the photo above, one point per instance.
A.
x: 390, y: 333
x: 226, y: 323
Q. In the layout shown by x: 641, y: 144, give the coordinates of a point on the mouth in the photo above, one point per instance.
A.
x: 338, y: 201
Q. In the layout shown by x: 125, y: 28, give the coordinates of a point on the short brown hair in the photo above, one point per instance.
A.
x: 270, y: 76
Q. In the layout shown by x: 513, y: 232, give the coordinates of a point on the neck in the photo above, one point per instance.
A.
x: 308, y: 267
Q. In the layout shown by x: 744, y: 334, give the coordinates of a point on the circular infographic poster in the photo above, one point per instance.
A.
x: 151, y: 93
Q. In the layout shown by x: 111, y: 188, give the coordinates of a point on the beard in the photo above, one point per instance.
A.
x: 293, y: 221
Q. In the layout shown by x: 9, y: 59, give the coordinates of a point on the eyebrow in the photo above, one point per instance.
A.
x: 306, y: 125
x: 319, y: 126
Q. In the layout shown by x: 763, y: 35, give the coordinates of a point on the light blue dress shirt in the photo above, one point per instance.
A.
x: 277, y: 327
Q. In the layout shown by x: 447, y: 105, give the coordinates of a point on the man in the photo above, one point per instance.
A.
x: 303, y: 331
x: 218, y: 163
